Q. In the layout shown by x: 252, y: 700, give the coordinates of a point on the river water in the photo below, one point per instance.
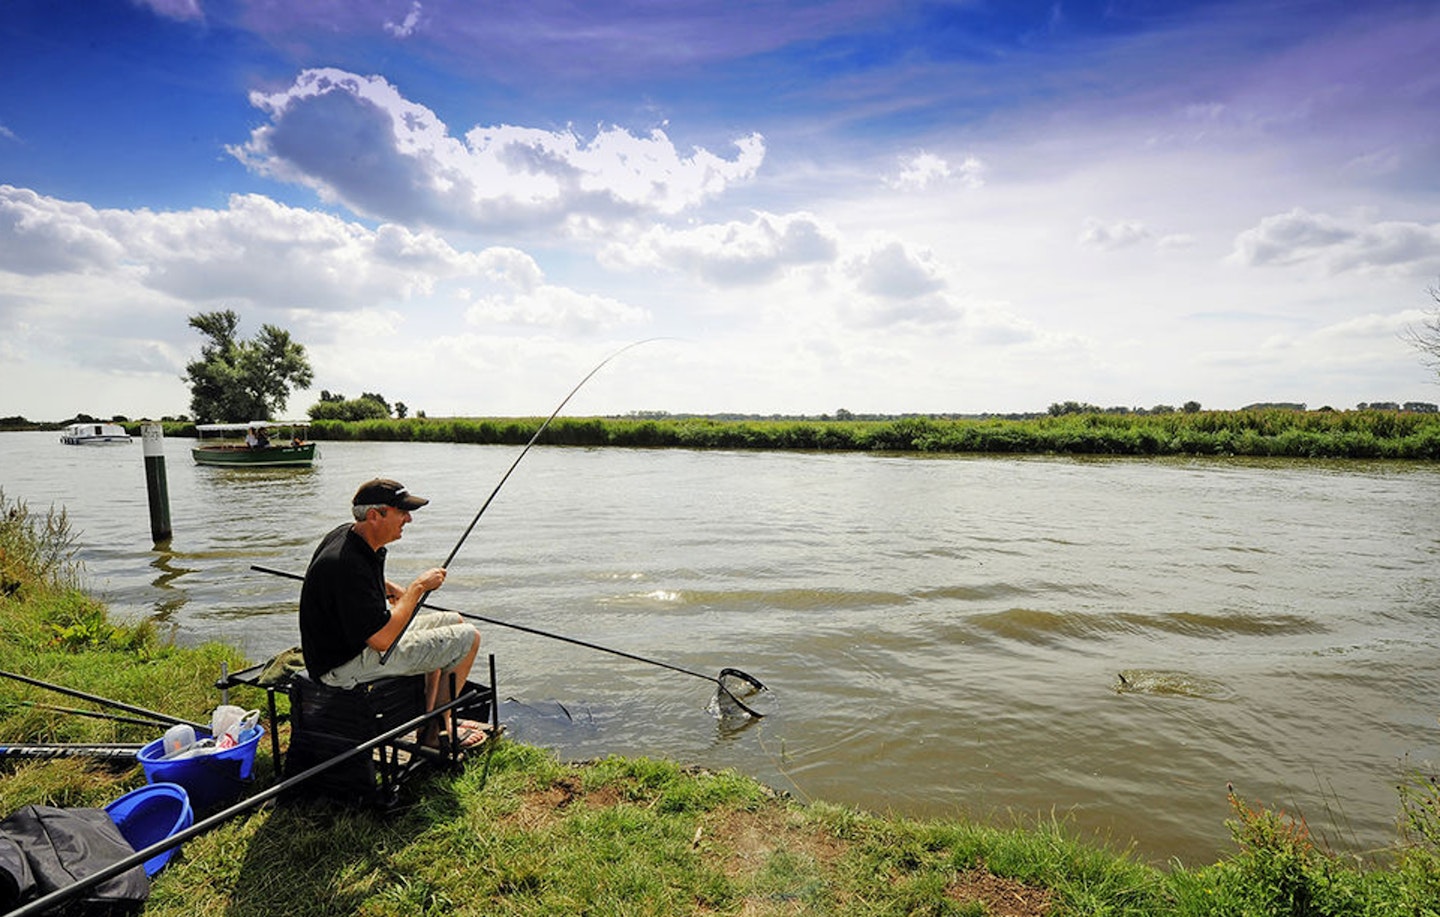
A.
x: 942, y: 636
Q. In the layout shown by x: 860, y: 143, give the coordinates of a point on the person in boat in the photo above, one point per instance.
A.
x: 252, y: 439
x: 351, y: 614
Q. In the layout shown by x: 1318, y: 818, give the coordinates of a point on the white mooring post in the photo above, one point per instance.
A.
x: 152, y: 437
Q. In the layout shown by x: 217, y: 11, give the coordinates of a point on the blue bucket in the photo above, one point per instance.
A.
x: 151, y: 814
x: 212, y: 779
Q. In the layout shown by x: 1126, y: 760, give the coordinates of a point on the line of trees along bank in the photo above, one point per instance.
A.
x: 1296, y: 434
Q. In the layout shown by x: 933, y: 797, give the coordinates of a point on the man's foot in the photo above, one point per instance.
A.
x: 469, y: 733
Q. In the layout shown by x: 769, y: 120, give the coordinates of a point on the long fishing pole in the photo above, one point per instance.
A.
x: 95, y: 698
x: 107, y: 751
x: 750, y: 679
x: 94, y: 714
x: 385, y: 657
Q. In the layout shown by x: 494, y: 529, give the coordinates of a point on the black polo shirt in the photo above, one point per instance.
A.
x: 342, y: 603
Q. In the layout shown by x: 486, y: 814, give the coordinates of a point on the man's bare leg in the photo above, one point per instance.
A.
x: 438, y: 691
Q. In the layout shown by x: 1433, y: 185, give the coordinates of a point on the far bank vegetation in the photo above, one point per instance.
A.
x: 1382, y: 431
x: 1262, y: 431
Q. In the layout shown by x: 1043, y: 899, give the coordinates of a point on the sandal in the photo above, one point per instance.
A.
x: 470, y: 735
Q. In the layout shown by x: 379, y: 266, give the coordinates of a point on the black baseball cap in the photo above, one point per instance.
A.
x: 385, y: 492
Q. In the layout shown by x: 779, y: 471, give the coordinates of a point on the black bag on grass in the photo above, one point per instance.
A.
x: 58, y: 847
x: 16, y: 880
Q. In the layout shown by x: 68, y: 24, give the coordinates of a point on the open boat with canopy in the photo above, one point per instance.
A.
x: 256, y: 444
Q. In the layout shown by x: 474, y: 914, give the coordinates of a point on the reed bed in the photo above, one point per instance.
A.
x: 1365, y: 434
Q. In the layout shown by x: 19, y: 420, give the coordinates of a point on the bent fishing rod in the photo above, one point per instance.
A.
x: 717, y: 680
x: 385, y: 657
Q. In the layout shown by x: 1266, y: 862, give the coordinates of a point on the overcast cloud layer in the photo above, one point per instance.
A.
x: 882, y: 207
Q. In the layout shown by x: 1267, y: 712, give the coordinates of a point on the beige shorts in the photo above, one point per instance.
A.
x: 434, y: 641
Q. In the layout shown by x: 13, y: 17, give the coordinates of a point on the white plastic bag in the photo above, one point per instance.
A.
x: 230, y: 725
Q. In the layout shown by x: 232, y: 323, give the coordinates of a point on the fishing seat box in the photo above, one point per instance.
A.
x: 327, y: 721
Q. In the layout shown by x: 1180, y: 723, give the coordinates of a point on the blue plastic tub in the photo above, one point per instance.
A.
x: 212, y: 779
x: 151, y: 814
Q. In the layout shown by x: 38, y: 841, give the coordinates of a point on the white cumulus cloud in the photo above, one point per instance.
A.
x: 732, y: 253
x: 182, y: 10
x: 356, y: 140
x: 82, y: 282
x: 1339, y: 245
x: 515, y: 292
x: 1110, y: 236
x: 891, y: 269
x: 42, y: 235
x: 406, y: 27
x: 924, y: 170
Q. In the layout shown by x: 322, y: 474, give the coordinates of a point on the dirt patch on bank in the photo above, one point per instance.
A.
x: 784, y: 861
x: 1002, y: 897
x: 549, y: 805
x: 746, y: 841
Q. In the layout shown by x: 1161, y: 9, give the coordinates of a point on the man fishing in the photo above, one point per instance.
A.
x: 350, y: 614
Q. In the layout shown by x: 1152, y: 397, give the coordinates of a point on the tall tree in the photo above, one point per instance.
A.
x: 240, y: 380
x: 1426, y: 338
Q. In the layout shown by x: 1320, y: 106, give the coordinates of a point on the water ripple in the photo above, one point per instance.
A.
x: 1038, y: 626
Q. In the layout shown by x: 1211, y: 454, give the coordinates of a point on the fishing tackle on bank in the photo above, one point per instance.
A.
x: 119, y: 752
x: 730, y: 684
x: 93, y: 714
x: 47, y: 903
x: 97, y: 699
x: 385, y: 657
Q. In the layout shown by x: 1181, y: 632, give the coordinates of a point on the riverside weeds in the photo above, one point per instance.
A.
x: 533, y: 836
x: 1260, y: 432
x: 1254, y: 432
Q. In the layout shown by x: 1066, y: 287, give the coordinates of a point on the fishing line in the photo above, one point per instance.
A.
x: 782, y: 761
x: 385, y: 657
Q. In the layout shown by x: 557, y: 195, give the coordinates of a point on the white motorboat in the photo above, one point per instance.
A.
x: 94, y: 434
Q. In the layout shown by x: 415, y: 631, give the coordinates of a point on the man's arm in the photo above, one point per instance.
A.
x: 403, y: 607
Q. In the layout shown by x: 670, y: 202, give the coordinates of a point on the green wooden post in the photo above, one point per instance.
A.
x: 152, y: 436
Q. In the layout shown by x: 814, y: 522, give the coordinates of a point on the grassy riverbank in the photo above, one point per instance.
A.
x: 1368, y: 434
x: 619, y: 836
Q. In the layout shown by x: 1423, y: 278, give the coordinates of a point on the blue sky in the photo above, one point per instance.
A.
x: 881, y: 206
